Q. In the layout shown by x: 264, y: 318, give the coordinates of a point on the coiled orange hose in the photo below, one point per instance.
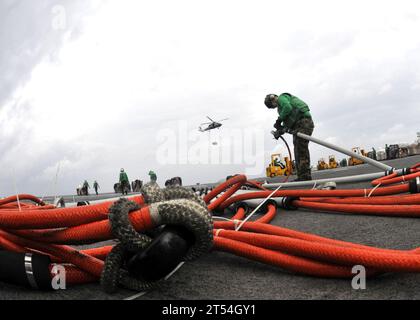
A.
x: 48, y: 230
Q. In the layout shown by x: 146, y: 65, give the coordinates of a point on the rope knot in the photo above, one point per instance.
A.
x: 185, y: 217
x: 130, y: 241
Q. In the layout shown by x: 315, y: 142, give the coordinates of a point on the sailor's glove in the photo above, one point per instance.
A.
x: 278, y: 125
x: 278, y: 133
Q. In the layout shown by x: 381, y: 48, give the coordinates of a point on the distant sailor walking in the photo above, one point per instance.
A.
x: 124, y: 182
x: 86, y: 188
x: 153, y: 176
x: 96, y: 186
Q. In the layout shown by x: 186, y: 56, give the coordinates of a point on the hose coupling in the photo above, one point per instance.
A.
x: 25, y: 269
x: 242, y: 205
x: 287, y: 203
x: 405, y: 171
x: 269, y: 202
x: 331, y: 185
x: 389, y: 172
x: 414, y: 185
x: 162, y: 256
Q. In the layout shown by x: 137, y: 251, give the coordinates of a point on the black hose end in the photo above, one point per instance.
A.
x: 414, y: 185
x: 389, y: 172
x: 162, y: 256
x: 26, y: 269
x: 242, y: 205
x: 268, y: 203
x: 405, y: 171
x: 287, y: 203
x: 41, y: 270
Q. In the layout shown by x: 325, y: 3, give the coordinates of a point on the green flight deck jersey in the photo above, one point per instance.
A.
x: 123, y: 177
x: 153, y: 176
x: 291, y: 109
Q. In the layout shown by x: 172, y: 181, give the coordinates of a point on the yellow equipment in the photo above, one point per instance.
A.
x: 277, y: 167
x: 332, y: 163
x: 354, y: 161
x: 322, y: 165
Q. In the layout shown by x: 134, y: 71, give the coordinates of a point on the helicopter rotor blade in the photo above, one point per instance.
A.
x: 223, y: 120
x: 210, y: 119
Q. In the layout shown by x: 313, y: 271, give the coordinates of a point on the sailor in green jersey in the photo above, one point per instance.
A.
x: 124, y: 183
x: 294, y: 116
x: 153, y: 176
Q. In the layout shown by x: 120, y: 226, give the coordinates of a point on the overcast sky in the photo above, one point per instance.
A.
x: 92, y: 86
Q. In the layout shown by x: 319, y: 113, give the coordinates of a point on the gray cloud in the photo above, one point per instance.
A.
x: 27, y: 37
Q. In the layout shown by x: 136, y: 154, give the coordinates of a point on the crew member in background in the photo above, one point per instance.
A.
x: 96, y: 186
x: 374, y: 154
x: 86, y: 188
x: 294, y: 116
x: 153, y: 176
x: 79, y: 190
x: 124, y: 183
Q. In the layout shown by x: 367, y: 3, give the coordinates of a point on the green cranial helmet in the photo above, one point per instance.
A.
x: 152, y: 175
x: 269, y: 101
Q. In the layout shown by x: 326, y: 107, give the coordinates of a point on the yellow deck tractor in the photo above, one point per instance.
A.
x: 322, y: 165
x: 354, y: 161
x: 279, y: 166
x: 332, y: 163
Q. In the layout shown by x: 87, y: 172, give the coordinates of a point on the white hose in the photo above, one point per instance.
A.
x: 348, y: 179
x: 370, y: 161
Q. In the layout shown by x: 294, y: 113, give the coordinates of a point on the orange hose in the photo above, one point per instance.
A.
x: 21, y: 198
x: 386, y: 210
x: 90, y: 232
x: 58, y: 218
x: 240, y: 214
x: 269, y: 216
x: 84, y: 262
x: 393, y: 178
x: 216, y: 203
x: 385, y: 261
x: 44, y: 229
x: 285, y: 261
x: 315, y: 193
x: 224, y: 186
x: 385, y: 200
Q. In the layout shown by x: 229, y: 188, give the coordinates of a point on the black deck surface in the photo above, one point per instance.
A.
x: 224, y: 276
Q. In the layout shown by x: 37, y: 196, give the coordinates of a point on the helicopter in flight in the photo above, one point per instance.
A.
x: 211, y: 125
